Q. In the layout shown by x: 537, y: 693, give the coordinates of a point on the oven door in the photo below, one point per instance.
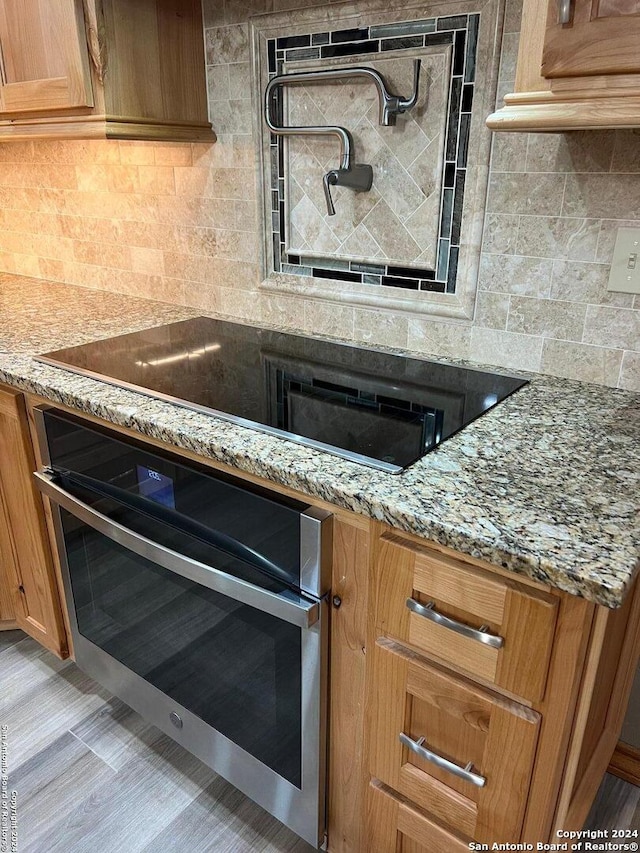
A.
x: 230, y: 665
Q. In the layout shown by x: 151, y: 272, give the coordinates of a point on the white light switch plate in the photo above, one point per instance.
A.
x: 625, y: 267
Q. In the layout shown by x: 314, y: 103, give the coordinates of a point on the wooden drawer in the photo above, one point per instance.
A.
x: 460, y: 611
x: 395, y: 826
x: 460, y: 722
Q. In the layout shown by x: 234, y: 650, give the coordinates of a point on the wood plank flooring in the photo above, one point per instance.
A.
x: 92, y: 777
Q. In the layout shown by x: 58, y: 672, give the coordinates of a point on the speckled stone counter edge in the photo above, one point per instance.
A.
x: 546, y: 485
x: 281, y: 461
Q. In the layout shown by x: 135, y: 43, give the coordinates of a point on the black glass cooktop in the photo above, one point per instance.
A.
x: 383, y: 410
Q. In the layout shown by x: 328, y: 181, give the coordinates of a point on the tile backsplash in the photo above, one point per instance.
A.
x: 180, y: 223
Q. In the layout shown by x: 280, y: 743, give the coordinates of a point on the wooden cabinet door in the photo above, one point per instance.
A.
x: 396, y: 826
x: 29, y: 565
x: 45, y: 61
x: 603, y: 37
x: 429, y: 729
x: 7, y: 571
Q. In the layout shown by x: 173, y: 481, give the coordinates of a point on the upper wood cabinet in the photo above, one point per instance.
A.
x: 581, y: 74
x: 602, y: 38
x: 103, y: 69
x: 44, y: 55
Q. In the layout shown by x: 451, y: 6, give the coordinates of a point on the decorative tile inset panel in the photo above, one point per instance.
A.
x: 406, y: 161
x: 409, y: 223
x: 412, y: 241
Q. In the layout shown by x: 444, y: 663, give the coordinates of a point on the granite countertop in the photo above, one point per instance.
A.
x: 546, y: 485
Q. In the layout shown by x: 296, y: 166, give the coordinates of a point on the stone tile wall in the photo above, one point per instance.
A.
x: 179, y: 223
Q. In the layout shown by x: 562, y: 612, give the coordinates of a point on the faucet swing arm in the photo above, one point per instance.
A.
x: 390, y: 105
x: 342, y: 134
x: 357, y: 176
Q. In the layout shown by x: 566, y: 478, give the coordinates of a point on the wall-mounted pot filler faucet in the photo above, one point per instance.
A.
x: 357, y: 176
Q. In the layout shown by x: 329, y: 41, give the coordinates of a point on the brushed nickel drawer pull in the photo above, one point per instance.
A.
x: 443, y: 763
x: 480, y: 634
x: 564, y: 11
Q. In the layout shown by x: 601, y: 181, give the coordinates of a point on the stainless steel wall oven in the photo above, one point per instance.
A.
x: 202, y: 602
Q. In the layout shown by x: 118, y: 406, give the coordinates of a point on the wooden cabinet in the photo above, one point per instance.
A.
x: 430, y: 728
x: 103, y: 68
x: 44, y: 56
x: 28, y: 575
x: 472, y: 742
x: 495, y: 629
x: 394, y: 825
x: 602, y: 38
x: 348, y: 770
x: 581, y: 74
x: 7, y: 572
x: 534, y: 720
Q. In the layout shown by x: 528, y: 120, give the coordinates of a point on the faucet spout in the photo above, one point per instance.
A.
x: 405, y: 104
x: 391, y: 105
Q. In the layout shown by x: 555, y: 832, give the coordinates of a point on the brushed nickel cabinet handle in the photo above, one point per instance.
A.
x: 428, y: 611
x: 564, y: 11
x: 465, y: 773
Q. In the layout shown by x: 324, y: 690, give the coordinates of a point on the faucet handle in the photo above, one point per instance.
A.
x: 329, y: 180
x: 358, y: 177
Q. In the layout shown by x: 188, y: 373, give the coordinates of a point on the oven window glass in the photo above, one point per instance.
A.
x: 236, y: 668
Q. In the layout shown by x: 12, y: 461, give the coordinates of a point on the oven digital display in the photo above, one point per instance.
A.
x: 156, y: 486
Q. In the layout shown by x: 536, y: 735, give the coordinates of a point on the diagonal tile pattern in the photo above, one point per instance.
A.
x: 397, y: 221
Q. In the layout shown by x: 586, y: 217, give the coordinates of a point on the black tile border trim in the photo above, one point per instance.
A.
x: 461, y: 31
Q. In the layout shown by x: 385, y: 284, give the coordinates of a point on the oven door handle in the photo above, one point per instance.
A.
x: 286, y: 605
x: 175, y: 519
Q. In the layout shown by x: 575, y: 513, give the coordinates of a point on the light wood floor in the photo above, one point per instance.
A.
x: 92, y: 777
